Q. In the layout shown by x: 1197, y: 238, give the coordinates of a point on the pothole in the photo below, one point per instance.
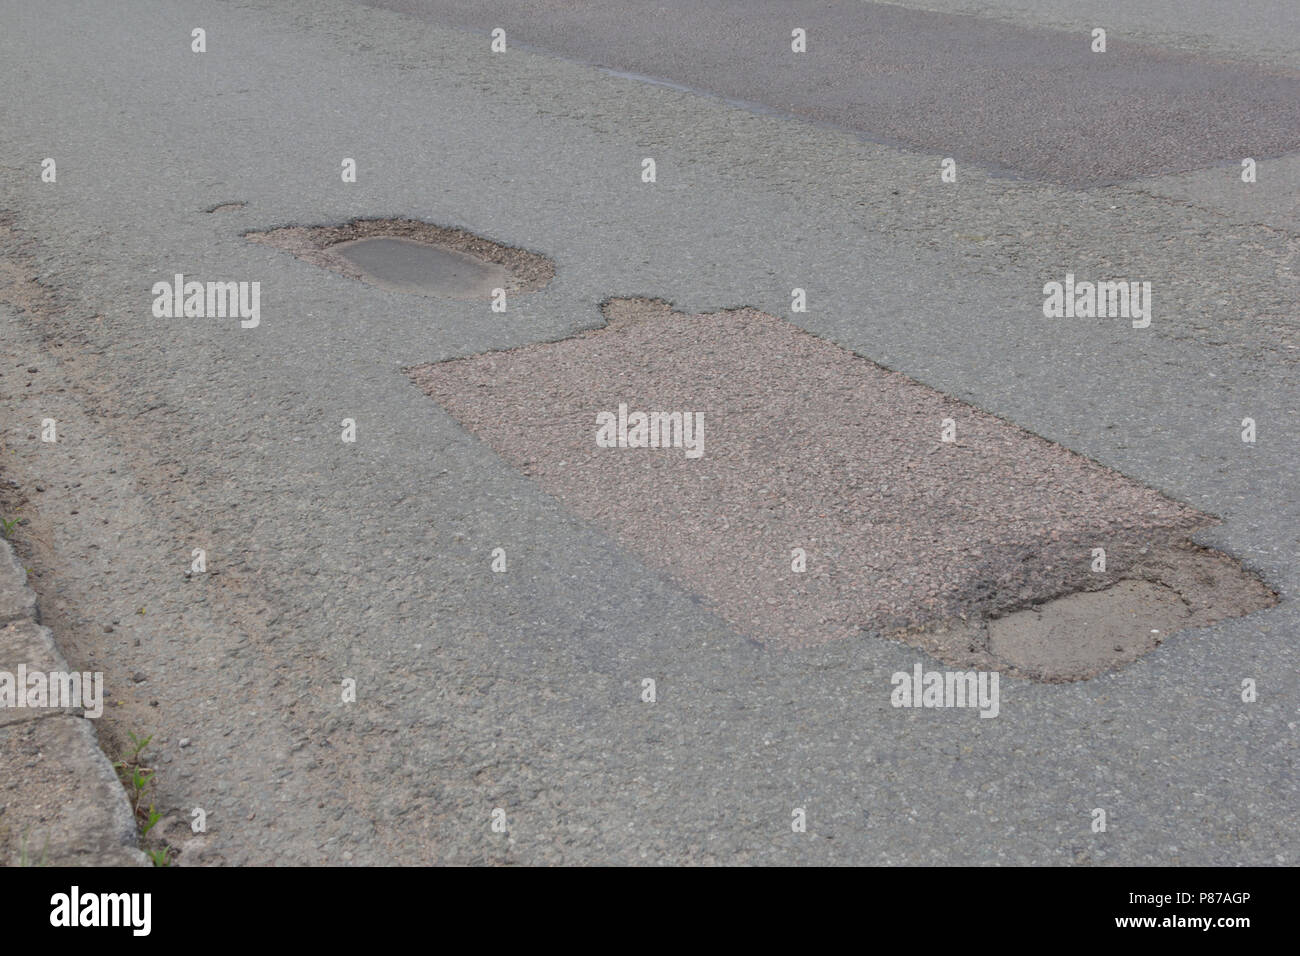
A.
x: 418, y: 258
x: 1085, y: 633
x: 1077, y: 633
x: 404, y: 265
x: 815, y: 498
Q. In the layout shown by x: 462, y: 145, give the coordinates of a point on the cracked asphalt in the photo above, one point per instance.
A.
x: 371, y: 561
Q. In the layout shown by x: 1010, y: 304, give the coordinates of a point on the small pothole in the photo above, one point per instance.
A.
x: 1075, y: 636
x: 418, y: 258
x: 404, y: 265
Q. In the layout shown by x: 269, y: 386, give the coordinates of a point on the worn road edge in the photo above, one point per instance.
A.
x: 61, y: 803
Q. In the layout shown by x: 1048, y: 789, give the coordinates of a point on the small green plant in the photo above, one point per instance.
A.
x: 7, y: 526
x: 25, y: 860
x: 140, y: 780
x: 134, y: 776
x: 153, y: 817
x: 139, y: 745
x: 137, y: 779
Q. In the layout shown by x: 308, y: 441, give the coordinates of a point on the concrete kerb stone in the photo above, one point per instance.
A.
x: 61, y: 803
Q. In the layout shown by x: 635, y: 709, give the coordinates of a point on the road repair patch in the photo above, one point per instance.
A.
x: 419, y: 258
x: 809, y: 494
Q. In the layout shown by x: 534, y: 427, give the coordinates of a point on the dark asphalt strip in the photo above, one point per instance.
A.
x: 1037, y: 102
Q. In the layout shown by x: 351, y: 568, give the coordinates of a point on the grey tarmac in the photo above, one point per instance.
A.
x: 1025, y: 100
x: 371, y: 560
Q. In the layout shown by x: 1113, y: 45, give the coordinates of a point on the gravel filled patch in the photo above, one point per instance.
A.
x: 805, y: 445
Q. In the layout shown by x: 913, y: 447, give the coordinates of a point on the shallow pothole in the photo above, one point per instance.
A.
x: 404, y: 265
x: 1082, y: 632
x: 814, y: 496
x: 417, y: 258
x: 1079, y: 635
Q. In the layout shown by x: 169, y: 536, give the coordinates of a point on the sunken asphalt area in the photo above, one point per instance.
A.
x: 371, y: 561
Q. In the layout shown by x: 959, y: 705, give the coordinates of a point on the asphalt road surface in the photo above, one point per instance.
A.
x: 1027, y: 100
x: 330, y: 562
